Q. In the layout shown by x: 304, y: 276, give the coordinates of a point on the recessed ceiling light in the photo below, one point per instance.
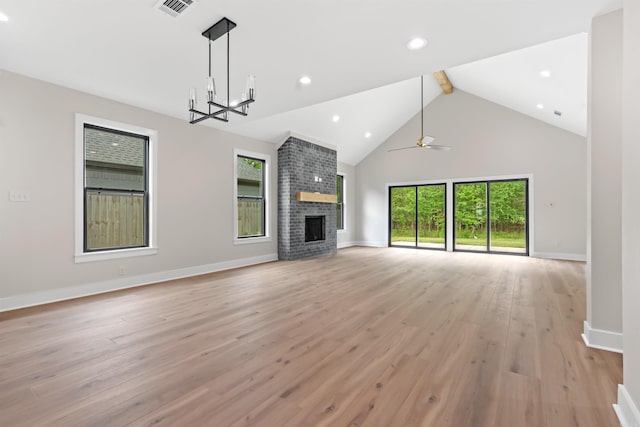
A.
x: 367, y: 135
x: 540, y: 106
x: 234, y: 103
x: 114, y: 144
x: 416, y: 43
x: 335, y: 118
x: 3, y: 17
x: 305, y: 80
x: 545, y: 73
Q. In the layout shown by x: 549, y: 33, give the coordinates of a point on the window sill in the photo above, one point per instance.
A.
x: 248, y: 240
x: 343, y: 231
x: 114, y: 254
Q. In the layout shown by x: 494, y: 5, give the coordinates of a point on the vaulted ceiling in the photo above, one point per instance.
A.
x: 354, y: 52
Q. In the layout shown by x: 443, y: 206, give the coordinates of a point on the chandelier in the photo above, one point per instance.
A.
x: 219, y: 109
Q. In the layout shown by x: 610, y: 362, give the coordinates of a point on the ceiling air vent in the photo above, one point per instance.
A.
x: 174, y: 7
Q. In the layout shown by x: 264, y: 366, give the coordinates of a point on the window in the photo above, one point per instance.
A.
x: 251, y: 190
x: 340, y: 202
x: 114, y: 204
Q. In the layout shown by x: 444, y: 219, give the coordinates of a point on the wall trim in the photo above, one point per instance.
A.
x: 626, y: 409
x: 560, y: 255
x: 601, y: 339
x: 342, y: 245
x: 46, y: 297
x: 371, y: 243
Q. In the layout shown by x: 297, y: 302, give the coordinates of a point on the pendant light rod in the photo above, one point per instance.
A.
x: 228, y: 97
x: 210, y: 80
x: 421, y: 106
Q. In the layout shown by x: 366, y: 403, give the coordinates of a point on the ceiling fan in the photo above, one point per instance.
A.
x: 425, y: 141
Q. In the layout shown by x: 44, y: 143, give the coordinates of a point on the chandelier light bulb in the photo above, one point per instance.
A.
x: 193, y: 102
x: 251, y: 86
x: 211, y: 89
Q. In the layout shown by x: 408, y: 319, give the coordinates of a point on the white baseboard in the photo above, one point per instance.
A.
x: 603, y: 340
x: 626, y: 409
x: 560, y: 255
x: 371, y: 243
x: 342, y: 245
x: 45, y: 297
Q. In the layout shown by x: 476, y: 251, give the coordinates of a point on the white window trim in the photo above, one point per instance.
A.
x: 80, y: 255
x: 267, y: 199
x: 344, y: 203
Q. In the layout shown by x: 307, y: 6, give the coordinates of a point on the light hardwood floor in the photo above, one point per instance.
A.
x: 368, y: 337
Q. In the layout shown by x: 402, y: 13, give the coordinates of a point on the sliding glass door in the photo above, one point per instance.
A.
x: 431, y: 216
x: 417, y: 216
x: 403, y: 216
x: 470, y: 216
x: 491, y: 216
x: 508, y: 207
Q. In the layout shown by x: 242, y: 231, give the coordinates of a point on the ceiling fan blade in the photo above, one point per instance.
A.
x: 403, y: 148
x: 438, y: 147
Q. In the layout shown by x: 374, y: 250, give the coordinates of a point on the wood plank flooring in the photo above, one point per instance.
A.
x: 367, y: 337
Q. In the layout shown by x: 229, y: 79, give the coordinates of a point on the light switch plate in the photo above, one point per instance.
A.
x: 19, y: 196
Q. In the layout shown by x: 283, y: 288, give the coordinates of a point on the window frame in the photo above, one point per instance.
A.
x: 149, y: 248
x: 344, y: 209
x: 266, y: 196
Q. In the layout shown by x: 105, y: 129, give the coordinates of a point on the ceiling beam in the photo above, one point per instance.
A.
x: 443, y: 81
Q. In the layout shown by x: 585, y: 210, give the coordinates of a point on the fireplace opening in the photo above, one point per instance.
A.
x: 313, y: 228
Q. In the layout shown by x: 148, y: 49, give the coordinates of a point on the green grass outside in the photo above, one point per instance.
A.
x: 499, y: 239
x: 425, y: 237
x: 503, y: 243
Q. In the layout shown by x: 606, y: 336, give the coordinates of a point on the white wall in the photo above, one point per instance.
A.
x: 488, y: 140
x: 604, y: 184
x: 195, y: 195
x: 629, y: 396
x: 346, y: 236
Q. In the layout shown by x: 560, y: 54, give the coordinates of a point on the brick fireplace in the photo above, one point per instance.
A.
x: 305, y: 167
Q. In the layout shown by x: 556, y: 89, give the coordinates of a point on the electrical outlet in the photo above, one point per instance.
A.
x: 19, y: 196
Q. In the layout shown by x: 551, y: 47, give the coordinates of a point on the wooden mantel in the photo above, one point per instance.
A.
x: 303, y: 196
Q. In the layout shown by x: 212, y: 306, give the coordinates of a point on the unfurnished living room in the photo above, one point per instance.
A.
x: 321, y: 213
